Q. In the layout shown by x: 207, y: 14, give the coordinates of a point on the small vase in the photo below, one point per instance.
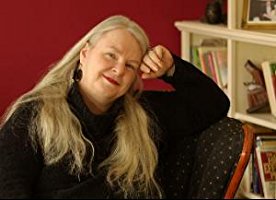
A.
x: 213, y: 13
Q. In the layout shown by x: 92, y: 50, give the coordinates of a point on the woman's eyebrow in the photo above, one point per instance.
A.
x: 115, y: 48
x: 119, y: 51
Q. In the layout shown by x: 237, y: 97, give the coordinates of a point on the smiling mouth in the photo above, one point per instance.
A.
x: 111, y: 80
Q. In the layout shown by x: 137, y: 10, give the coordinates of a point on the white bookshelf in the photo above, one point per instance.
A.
x: 257, y: 46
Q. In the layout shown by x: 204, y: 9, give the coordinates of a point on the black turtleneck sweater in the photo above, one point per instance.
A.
x: 195, y: 104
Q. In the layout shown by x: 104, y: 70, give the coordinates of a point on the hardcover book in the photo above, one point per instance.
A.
x: 266, y: 159
x: 269, y: 71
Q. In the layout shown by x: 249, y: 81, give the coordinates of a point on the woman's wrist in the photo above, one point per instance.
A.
x: 171, y: 71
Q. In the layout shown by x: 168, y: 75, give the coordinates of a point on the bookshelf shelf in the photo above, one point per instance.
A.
x: 222, y: 31
x: 256, y: 45
x: 259, y: 119
x: 242, y: 45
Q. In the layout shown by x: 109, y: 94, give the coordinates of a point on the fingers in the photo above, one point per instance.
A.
x: 150, y: 75
x: 144, y: 68
x: 159, y: 51
x: 147, y: 73
x: 154, y: 62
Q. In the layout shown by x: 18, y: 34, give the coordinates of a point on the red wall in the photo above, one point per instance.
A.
x: 36, y: 33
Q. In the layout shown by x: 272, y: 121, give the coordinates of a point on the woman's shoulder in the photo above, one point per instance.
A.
x: 22, y: 115
x: 27, y: 109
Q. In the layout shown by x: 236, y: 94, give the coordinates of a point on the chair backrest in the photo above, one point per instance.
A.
x: 222, y: 154
x: 210, y: 164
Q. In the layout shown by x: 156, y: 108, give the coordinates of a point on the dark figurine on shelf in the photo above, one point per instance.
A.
x: 214, y: 13
x: 256, y: 92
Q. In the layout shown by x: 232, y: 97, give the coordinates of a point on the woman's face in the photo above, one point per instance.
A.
x: 109, y: 67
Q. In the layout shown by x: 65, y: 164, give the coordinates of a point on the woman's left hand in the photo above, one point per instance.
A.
x: 156, y: 62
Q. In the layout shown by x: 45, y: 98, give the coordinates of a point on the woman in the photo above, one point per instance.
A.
x: 87, y: 131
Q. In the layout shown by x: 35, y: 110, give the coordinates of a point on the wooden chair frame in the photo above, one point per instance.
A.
x: 242, y: 163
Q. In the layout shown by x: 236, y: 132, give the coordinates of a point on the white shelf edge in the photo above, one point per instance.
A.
x: 257, y: 119
x: 224, y: 32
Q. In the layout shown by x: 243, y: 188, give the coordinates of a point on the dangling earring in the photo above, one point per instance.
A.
x: 77, y: 74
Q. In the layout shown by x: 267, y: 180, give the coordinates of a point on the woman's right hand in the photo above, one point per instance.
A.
x: 156, y: 62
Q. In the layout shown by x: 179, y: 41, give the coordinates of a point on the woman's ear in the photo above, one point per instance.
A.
x: 84, y: 52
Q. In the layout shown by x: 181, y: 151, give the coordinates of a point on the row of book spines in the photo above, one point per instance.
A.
x: 264, y: 165
x: 212, y: 60
x: 264, y: 141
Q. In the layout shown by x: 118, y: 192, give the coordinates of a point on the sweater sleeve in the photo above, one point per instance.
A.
x: 195, y: 104
x: 20, y: 163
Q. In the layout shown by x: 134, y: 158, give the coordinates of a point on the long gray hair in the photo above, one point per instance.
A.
x: 132, y: 163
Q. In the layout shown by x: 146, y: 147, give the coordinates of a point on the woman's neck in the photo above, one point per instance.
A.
x: 96, y: 106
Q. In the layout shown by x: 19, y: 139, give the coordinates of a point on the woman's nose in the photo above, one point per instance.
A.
x: 119, y: 69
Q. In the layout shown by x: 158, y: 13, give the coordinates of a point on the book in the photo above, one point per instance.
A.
x: 212, y: 67
x: 220, y: 63
x: 266, y: 164
x: 269, y: 71
x: 251, y: 182
x: 266, y: 160
x: 217, y: 68
x: 256, y: 179
x: 195, y: 57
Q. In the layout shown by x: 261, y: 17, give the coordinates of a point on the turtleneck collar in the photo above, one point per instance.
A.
x: 98, y: 125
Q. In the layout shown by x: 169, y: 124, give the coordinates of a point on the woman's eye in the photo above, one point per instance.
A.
x: 130, y: 66
x: 111, y: 55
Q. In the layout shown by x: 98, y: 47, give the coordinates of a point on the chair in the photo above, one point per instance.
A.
x: 213, y: 162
